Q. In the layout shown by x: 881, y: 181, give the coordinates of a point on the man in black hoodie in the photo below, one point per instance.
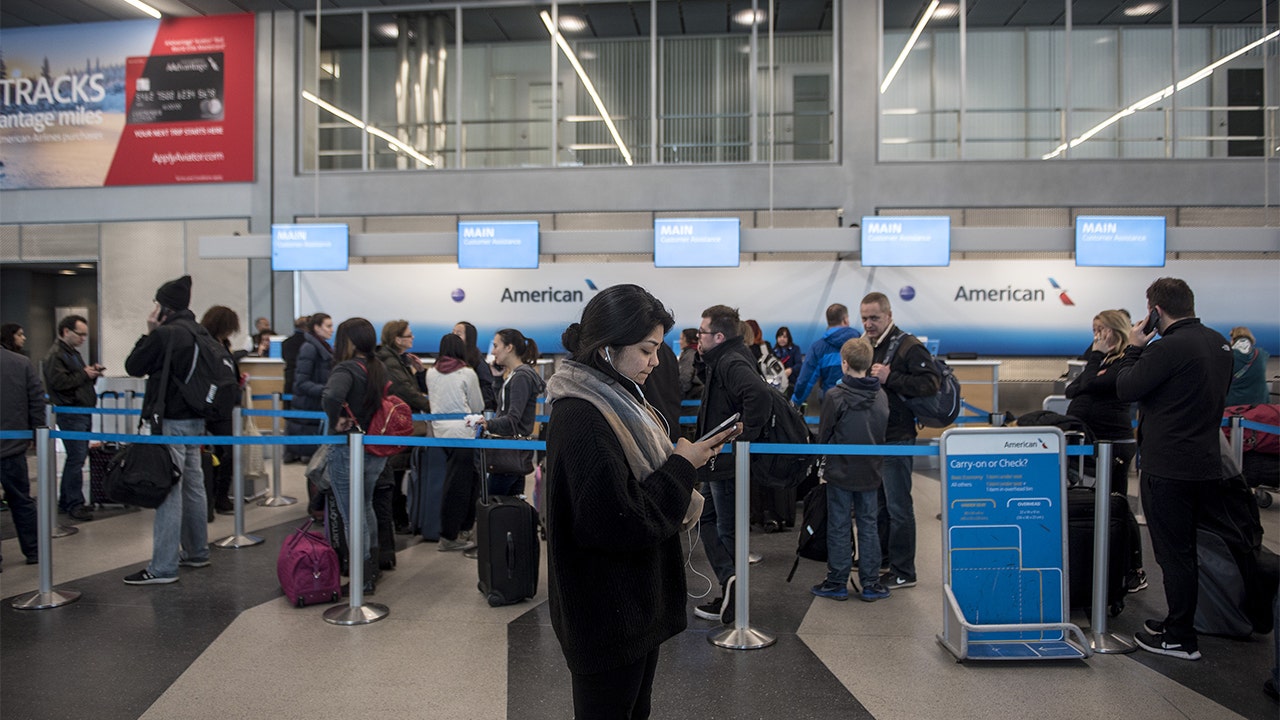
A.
x: 1180, y: 384
x: 732, y: 385
x: 181, y: 534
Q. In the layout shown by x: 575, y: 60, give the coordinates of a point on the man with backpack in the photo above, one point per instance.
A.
x: 181, y: 535
x: 822, y: 364
x: 731, y: 385
x: 906, y: 372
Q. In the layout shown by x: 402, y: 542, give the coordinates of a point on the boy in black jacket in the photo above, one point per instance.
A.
x: 854, y: 412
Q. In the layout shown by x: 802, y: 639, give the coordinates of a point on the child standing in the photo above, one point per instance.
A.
x: 854, y: 412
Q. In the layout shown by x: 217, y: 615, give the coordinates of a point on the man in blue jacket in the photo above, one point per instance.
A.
x: 1180, y: 384
x: 823, y: 361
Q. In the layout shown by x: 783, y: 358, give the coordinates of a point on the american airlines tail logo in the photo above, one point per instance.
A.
x: 1062, y: 294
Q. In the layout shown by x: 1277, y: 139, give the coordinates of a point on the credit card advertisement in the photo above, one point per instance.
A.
x: 144, y: 102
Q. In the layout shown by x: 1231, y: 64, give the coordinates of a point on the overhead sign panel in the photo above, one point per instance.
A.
x: 309, y: 247
x: 501, y: 245
x: 1122, y: 241
x: 906, y: 241
x: 696, y: 242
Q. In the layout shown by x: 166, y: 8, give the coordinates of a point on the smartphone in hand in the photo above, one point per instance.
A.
x: 724, y: 425
x: 1152, y: 320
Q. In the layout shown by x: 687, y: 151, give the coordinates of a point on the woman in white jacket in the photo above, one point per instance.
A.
x: 454, y: 389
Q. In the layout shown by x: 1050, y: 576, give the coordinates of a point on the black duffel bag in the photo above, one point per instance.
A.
x: 142, y: 475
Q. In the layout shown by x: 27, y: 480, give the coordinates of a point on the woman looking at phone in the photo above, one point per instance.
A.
x: 617, y: 495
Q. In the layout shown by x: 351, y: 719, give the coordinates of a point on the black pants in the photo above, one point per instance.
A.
x: 1173, y: 509
x: 382, y: 494
x: 618, y: 694
x: 218, y: 487
x: 461, y: 490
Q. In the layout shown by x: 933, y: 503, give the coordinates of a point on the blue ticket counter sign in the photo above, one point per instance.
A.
x: 1004, y: 544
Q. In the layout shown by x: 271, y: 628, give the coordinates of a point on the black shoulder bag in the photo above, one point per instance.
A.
x: 143, y: 474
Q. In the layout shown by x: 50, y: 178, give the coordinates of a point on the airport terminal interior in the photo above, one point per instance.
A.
x: 139, y: 147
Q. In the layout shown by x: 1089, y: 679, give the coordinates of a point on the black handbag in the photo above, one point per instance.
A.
x: 508, y: 462
x: 142, y: 475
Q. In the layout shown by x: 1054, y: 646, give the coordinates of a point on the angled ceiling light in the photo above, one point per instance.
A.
x: 395, y: 142
x: 750, y: 17
x: 388, y: 30
x: 946, y: 11
x: 145, y: 8
x: 1159, y: 95
x: 586, y: 85
x: 572, y: 23
x: 1143, y: 9
x: 915, y: 35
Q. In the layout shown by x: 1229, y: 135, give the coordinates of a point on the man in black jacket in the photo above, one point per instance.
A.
x: 70, y: 384
x: 181, y: 536
x: 1180, y: 384
x: 289, y: 348
x: 21, y: 408
x: 908, y: 373
x: 732, y: 385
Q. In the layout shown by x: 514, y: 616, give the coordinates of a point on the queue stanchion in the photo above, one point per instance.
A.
x: 276, y: 498
x: 59, y: 530
x: 357, y: 611
x: 742, y: 636
x: 1237, y: 440
x: 1100, y: 640
x: 46, y: 597
x: 239, y: 539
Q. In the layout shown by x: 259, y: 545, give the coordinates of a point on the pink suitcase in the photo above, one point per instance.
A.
x: 308, y: 568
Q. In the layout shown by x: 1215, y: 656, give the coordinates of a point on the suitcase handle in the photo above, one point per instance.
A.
x: 511, y: 556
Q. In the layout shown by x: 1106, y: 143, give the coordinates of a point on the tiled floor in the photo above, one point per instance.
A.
x: 224, y: 643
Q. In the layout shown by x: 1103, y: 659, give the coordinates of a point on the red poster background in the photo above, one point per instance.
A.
x: 199, y: 151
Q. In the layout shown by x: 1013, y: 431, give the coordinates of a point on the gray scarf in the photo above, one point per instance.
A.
x: 643, y: 439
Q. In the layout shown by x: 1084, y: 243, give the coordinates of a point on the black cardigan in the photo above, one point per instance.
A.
x: 615, y: 565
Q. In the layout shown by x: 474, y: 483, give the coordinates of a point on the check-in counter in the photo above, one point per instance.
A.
x: 979, y: 386
x: 266, y: 376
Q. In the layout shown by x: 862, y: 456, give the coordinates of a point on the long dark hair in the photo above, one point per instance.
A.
x: 7, y: 333
x: 355, y: 338
x: 617, y: 316
x: 473, y: 355
x: 526, y: 349
x: 452, y: 346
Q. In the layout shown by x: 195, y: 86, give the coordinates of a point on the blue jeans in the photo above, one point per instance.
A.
x: 722, y: 498
x: 340, y: 479
x: 901, y: 547
x: 718, y: 556
x: 182, y: 525
x: 71, y: 492
x: 866, y: 503
x: 17, y: 495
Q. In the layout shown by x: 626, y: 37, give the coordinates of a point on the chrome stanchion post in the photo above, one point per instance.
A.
x: 1100, y: 640
x: 59, y: 530
x: 276, y: 499
x: 742, y: 636
x: 357, y: 612
x: 239, y: 539
x: 46, y: 597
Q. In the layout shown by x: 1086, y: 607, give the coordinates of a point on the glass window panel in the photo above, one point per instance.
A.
x: 325, y: 135
x: 804, y: 96
x: 506, y: 101
x: 1095, y: 90
x: 1193, y: 120
x: 411, y: 77
x: 1046, y: 90
x: 920, y: 100
x: 1145, y: 70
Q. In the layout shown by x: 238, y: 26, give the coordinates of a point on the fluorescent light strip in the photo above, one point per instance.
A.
x: 586, y: 83
x: 342, y: 114
x: 1156, y: 97
x: 911, y: 42
x: 145, y: 8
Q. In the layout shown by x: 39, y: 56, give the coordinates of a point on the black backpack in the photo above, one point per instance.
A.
x: 785, y: 426
x: 943, y: 407
x: 812, y: 543
x: 208, y: 381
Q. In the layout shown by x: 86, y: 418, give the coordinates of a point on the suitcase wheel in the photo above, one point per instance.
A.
x: 1263, y: 497
x: 1115, y: 608
x: 301, y: 602
x: 495, y: 600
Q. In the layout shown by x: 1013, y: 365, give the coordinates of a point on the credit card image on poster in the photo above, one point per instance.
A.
x: 177, y: 88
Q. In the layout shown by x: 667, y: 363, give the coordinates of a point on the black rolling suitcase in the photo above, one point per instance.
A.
x: 99, y: 458
x: 426, y: 491
x: 1080, y: 524
x: 507, y: 547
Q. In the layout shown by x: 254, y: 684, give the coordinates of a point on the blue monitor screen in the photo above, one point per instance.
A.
x: 696, y: 242
x: 308, y: 247
x: 906, y: 241
x: 498, y: 245
x: 1123, y: 241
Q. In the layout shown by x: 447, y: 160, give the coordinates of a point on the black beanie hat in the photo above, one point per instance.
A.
x: 175, y: 294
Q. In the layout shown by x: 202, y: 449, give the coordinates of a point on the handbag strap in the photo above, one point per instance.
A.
x: 157, y: 412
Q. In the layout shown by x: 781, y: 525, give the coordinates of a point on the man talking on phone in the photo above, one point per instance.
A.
x: 1180, y: 384
x: 69, y: 381
x: 732, y: 385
